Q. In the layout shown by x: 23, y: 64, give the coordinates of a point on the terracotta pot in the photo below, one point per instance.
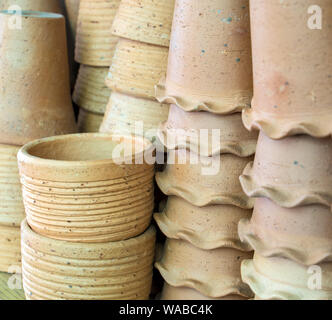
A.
x: 27, y: 92
x: 187, y: 130
x: 74, y: 190
x: 72, y: 8
x: 214, y: 273
x: 218, y: 186
x: 292, y: 172
x: 95, y: 43
x: 33, y: 5
x: 207, y: 228
x: 209, y: 66
x: 90, y: 92
x: 283, y: 279
x: 89, y: 121
x: 292, y: 84
x: 147, y: 65
x: 10, y: 248
x: 55, y: 270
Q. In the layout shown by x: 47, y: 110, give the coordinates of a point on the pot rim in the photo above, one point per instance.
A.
x: 33, y: 14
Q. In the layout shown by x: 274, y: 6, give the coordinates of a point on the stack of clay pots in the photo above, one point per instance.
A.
x: 94, y: 50
x: 208, y: 83
x: 140, y: 60
x: 291, y: 177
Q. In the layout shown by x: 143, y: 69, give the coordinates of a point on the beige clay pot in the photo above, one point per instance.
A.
x: 10, y: 248
x: 32, y: 5
x: 88, y: 121
x: 292, y: 83
x: 292, y: 172
x: 72, y: 8
x: 27, y: 93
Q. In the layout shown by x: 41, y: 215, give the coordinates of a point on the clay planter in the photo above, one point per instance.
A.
x: 39, y: 45
x: 187, y: 130
x: 214, y: 273
x: 72, y: 8
x: 283, y: 279
x: 74, y: 188
x: 209, y: 66
x: 207, y: 228
x: 58, y: 270
x: 89, y: 121
x: 34, y: 5
x: 90, y: 92
x: 292, y: 172
x: 292, y: 84
x: 190, y: 181
x: 10, y: 248
x: 95, y: 43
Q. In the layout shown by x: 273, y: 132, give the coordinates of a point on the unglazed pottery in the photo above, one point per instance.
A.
x: 76, y: 189
x: 137, y: 68
x: 72, y: 8
x: 292, y: 172
x: 209, y: 65
x: 95, y: 43
x: 206, y: 133
x: 89, y: 121
x: 302, y: 234
x: 91, y: 92
x: 35, y: 98
x: 10, y: 248
x: 214, y: 273
x: 32, y: 5
x: 58, y: 270
x: 283, y: 279
x: 207, y: 228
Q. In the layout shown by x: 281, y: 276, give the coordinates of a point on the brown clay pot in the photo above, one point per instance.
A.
x: 88, y: 121
x: 35, y: 77
x: 72, y: 8
x: 32, y: 5
x: 10, y: 247
x: 58, y: 270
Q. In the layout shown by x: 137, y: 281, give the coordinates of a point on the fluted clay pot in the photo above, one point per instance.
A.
x: 207, y: 228
x: 90, y: 92
x: 10, y: 247
x: 214, y: 273
x: 283, y: 279
x: 59, y: 270
x: 292, y: 172
x: 88, y: 121
x: 33, y: 5
x: 292, y: 84
x: 75, y: 188
x: 35, y: 98
x: 207, y: 133
x: 209, y: 65
x: 72, y: 8
x: 95, y: 43
x: 137, y: 68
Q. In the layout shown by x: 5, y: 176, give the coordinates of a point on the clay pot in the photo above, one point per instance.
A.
x: 214, y: 273
x: 58, y: 270
x: 72, y: 8
x: 95, y: 43
x: 292, y: 172
x: 10, y: 247
x: 218, y: 185
x: 33, y: 5
x: 206, y: 228
x: 90, y: 92
x: 27, y: 93
x: 198, y: 131
x: 75, y: 189
x: 89, y: 122
x: 137, y: 67
x: 209, y: 66
x: 283, y: 279
x: 292, y: 84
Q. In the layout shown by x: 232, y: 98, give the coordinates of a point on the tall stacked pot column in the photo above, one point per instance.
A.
x: 291, y: 177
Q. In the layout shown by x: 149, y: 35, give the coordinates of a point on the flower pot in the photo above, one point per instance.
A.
x: 95, y: 43
x: 206, y: 228
x: 145, y: 21
x: 10, y: 248
x: 33, y: 5
x: 292, y: 172
x: 72, y: 8
x: 57, y: 270
x: 209, y: 66
x: 147, y: 64
x: 89, y: 121
x: 35, y: 79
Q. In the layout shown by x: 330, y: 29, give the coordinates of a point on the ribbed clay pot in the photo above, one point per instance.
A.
x: 32, y: 5
x: 302, y: 234
x: 95, y: 43
x: 292, y: 84
x: 214, y: 273
x: 75, y: 189
x: 283, y: 279
x: 89, y: 121
x: 292, y: 172
x: 10, y: 247
x: 72, y: 8
x: 90, y: 92
x: 206, y: 133
x: 207, y: 228
x: 136, y: 68
x: 35, y: 98
x: 59, y: 270
x: 146, y: 21
x: 209, y: 65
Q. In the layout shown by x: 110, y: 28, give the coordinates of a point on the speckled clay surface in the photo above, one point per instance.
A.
x: 33, y: 5
x: 88, y: 121
x: 10, y: 248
